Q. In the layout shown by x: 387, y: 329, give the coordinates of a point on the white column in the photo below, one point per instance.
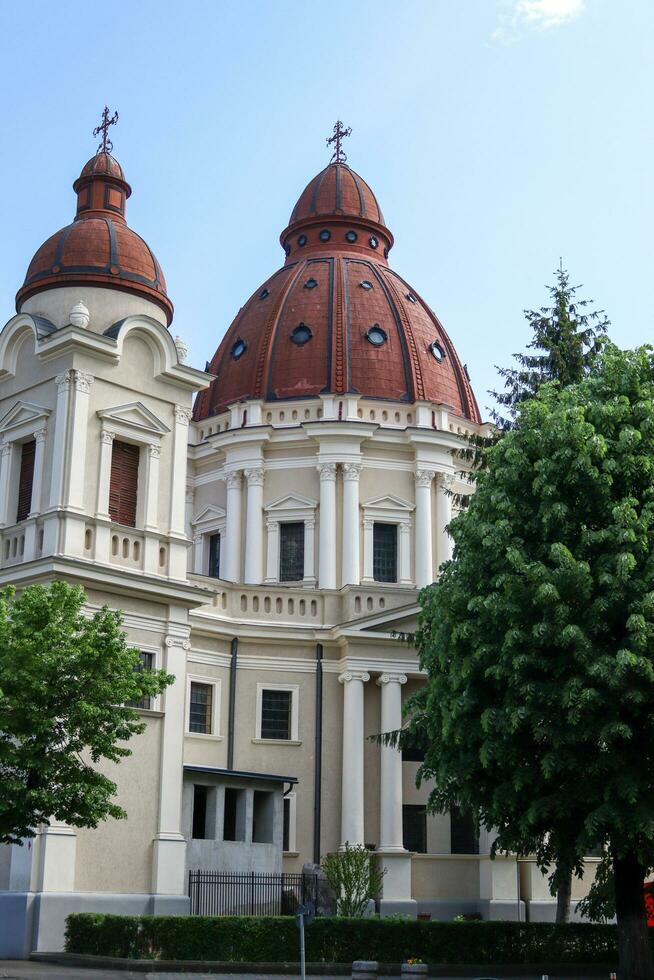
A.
x: 390, y: 811
x: 37, y: 479
x: 352, y: 827
x: 351, y: 572
x: 254, y: 528
x: 5, y: 466
x: 327, y: 543
x: 444, y: 516
x: 168, y: 865
x: 368, y: 550
x: 104, y: 474
x: 309, y: 560
x: 179, y: 464
x: 233, y: 531
x: 77, y: 463
x: 63, y: 382
x: 405, y: 552
x: 424, y: 557
x: 272, y: 555
x: 198, y: 554
x: 151, y: 513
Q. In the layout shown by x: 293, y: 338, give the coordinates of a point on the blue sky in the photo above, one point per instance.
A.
x: 496, y: 135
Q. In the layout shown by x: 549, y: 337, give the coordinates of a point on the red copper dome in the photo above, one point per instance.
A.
x: 336, y: 318
x: 98, y: 248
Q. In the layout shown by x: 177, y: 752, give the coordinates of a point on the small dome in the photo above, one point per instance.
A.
x: 98, y: 248
x: 337, y: 190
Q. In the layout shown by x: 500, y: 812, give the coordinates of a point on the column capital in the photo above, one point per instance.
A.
x: 83, y: 381
x: 446, y: 480
x: 272, y: 525
x: 177, y: 641
x: 254, y: 477
x: 40, y: 434
x: 424, y: 478
x: 353, y: 675
x: 154, y: 450
x: 183, y: 415
x: 391, y: 678
x: 327, y: 471
x: 63, y: 381
x: 234, y: 480
x: 197, y: 537
x: 107, y: 437
x: 5, y: 449
x: 310, y: 524
x: 351, y: 471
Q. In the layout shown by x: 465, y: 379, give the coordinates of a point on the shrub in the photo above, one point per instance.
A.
x: 335, y: 940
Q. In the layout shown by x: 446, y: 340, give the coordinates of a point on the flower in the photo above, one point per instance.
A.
x: 413, y: 960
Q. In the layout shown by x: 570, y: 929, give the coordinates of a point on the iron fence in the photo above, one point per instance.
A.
x: 249, y: 893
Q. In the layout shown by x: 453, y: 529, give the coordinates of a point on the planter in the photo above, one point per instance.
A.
x: 424, y: 916
x: 364, y: 970
x: 415, y: 970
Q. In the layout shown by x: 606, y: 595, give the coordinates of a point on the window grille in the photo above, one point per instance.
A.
x: 25, y: 480
x: 123, y: 487
x: 414, y: 828
x: 291, y: 551
x: 214, y: 556
x: 200, y: 708
x: 384, y: 552
x: 276, y: 707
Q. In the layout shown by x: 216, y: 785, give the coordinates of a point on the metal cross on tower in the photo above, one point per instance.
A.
x: 106, y: 146
x: 339, y: 134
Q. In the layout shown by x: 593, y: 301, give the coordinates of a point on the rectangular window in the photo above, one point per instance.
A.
x: 123, y: 487
x: 28, y: 450
x: 146, y: 663
x: 199, y: 831
x: 384, y: 552
x: 214, y: 556
x: 234, y: 814
x: 291, y: 551
x: 276, y: 708
x: 201, y: 707
x: 414, y: 828
x: 463, y: 833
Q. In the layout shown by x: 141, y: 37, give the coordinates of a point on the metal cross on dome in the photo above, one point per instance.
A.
x: 106, y: 146
x: 339, y: 134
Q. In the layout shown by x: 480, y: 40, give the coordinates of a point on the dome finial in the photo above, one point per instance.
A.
x: 339, y: 134
x: 106, y: 146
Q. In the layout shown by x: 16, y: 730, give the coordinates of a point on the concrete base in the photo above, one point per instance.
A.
x: 36, y: 921
x: 392, y: 906
x: 544, y: 911
x: 444, y: 909
x: 497, y: 910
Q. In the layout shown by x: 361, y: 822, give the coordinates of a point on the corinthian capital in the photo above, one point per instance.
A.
x: 351, y: 471
x: 424, y: 478
x: 254, y: 477
x: 63, y: 381
x: 234, y: 480
x: 83, y: 382
x: 446, y: 480
x: 327, y: 471
x: 183, y: 415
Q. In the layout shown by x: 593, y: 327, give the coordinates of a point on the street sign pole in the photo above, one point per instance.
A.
x: 304, y: 912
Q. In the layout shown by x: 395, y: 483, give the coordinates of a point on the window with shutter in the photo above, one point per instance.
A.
x: 25, y: 480
x: 123, y: 488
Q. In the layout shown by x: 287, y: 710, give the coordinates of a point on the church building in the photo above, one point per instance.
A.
x: 266, y: 525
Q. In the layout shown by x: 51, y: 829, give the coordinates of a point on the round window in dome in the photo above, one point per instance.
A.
x: 365, y: 284
x: 311, y: 283
x: 376, y: 335
x: 437, y: 351
x: 351, y: 236
x: 301, y: 335
x: 386, y: 251
x: 239, y: 348
x: 287, y: 248
x: 373, y: 242
x: 411, y: 298
x: 302, y: 240
x: 264, y: 293
x: 325, y: 235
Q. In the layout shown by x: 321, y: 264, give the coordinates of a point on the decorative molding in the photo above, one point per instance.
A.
x: 83, y: 382
x: 177, y: 641
x: 107, y: 437
x: 183, y: 415
x: 254, y: 477
x: 327, y: 471
x: 135, y: 419
x: 388, y: 678
x: 40, y: 435
x: 63, y: 381
x: 446, y: 481
x: 424, y: 478
x: 234, y: 480
x: 352, y: 471
x: 5, y: 449
x: 353, y: 675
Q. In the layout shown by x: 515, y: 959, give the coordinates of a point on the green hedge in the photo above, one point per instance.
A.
x: 333, y: 940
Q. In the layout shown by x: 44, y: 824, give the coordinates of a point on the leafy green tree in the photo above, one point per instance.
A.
x: 66, y: 682
x: 354, y: 877
x: 538, y: 639
x: 567, y: 336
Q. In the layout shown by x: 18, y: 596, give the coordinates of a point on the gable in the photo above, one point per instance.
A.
x: 134, y: 416
x: 291, y: 502
x: 22, y: 418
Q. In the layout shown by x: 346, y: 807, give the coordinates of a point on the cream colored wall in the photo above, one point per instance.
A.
x: 106, y: 306
x: 435, y: 877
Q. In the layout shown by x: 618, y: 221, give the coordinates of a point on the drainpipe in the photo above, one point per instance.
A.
x: 232, y: 704
x: 317, y: 785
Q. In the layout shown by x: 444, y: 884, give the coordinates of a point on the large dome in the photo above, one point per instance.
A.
x: 98, y: 248
x: 336, y: 318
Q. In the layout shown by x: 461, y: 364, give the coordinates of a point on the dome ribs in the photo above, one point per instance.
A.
x: 266, y: 348
x: 362, y: 200
x: 340, y: 341
x: 416, y: 385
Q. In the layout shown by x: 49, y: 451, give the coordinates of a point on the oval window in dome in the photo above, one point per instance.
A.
x: 264, y: 293
x: 239, y: 348
x: 302, y: 240
x: 411, y: 298
x: 376, y: 335
x: 365, y: 284
x: 311, y: 283
x: 325, y: 235
x: 301, y: 335
x: 437, y: 351
x: 373, y: 242
x: 386, y: 251
x: 351, y: 236
x: 287, y: 248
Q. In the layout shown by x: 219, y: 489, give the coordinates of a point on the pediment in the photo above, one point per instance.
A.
x: 23, y: 414
x: 135, y: 416
x: 209, y: 515
x: 388, y: 502
x: 291, y: 501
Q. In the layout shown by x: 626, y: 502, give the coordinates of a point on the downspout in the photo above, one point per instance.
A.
x: 317, y: 785
x: 232, y: 704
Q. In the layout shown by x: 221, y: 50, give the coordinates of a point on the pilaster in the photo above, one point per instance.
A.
x: 350, y: 573
x: 327, y: 543
x: 424, y: 554
x: 233, y: 526
x: 352, y: 825
x: 254, y: 527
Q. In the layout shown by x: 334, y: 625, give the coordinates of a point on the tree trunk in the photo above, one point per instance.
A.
x: 563, y: 895
x: 634, y: 948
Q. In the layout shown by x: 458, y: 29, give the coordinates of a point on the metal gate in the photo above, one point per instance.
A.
x: 249, y: 893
